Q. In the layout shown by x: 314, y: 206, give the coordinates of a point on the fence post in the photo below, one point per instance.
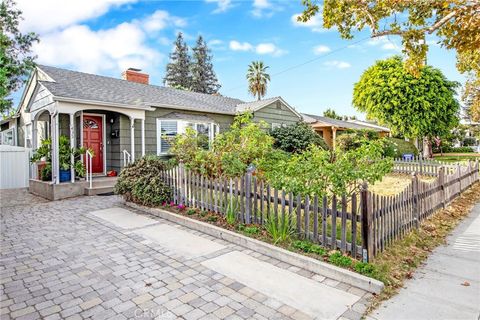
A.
x: 459, y: 179
x: 441, y: 181
x: 181, y: 175
x: 416, y: 211
x: 248, y: 195
x: 367, y: 223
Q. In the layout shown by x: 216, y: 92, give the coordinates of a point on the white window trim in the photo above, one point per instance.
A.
x: 31, y: 134
x: 276, y: 125
x: 14, y: 136
x: 213, y: 130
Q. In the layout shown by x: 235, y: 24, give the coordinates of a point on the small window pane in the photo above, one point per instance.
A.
x: 89, y: 123
x: 169, y: 130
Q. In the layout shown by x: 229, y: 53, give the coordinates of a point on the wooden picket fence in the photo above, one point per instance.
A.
x: 427, y: 167
x: 394, y: 216
x: 361, y: 225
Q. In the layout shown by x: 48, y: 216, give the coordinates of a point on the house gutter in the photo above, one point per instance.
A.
x: 161, y: 105
x: 103, y: 103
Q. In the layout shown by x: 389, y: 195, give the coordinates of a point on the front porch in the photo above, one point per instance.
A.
x: 109, y: 134
x: 53, y: 191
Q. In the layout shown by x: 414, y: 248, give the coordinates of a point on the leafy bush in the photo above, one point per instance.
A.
x: 469, y: 141
x: 364, y: 268
x: 457, y: 150
x: 140, y: 182
x: 340, y: 260
x: 297, y: 138
x: 401, y: 147
x: 231, y: 152
x: 309, y: 247
x: 316, y: 171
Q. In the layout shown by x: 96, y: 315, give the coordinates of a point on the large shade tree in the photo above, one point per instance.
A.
x: 258, y: 79
x: 455, y: 23
x: 16, y: 59
x: 423, y: 106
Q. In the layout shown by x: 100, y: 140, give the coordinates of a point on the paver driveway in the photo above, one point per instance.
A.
x: 68, y: 259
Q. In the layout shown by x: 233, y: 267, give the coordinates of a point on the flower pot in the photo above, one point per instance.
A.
x: 40, y: 166
x: 65, y: 175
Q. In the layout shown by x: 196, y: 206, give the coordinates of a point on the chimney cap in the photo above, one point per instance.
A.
x: 134, y: 69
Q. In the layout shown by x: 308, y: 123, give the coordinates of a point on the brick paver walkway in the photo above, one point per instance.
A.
x: 60, y: 262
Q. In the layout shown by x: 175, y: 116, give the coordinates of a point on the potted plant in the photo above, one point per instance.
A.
x: 65, y: 152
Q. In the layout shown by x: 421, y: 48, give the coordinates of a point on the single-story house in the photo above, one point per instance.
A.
x: 328, y: 128
x: 122, y: 118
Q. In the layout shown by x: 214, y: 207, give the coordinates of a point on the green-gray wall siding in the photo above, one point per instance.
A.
x: 276, y: 113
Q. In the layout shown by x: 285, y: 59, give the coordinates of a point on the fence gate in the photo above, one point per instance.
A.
x: 14, y: 167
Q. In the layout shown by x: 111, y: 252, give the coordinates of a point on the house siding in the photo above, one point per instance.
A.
x: 276, y: 113
x: 224, y: 122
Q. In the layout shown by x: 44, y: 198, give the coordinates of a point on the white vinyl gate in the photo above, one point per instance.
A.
x: 14, y: 167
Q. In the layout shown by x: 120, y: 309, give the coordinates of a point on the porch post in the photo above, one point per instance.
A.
x: 143, y: 137
x: 57, y: 148
x: 334, y: 136
x: 72, y: 146
x: 53, y: 145
x: 132, y: 138
x: 34, y: 147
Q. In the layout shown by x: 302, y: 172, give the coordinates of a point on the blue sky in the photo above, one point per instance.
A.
x: 107, y: 36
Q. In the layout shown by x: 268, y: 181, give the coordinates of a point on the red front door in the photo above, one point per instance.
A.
x: 93, y: 138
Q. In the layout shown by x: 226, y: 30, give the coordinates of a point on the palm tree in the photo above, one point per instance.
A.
x: 257, y: 79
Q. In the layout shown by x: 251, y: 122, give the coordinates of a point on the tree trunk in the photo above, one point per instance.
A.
x: 427, y: 148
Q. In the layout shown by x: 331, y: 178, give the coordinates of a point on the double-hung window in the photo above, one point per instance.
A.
x: 28, y: 135
x: 8, y: 137
x: 167, y: 129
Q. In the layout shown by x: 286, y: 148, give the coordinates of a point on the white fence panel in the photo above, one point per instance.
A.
x: 14, y: 167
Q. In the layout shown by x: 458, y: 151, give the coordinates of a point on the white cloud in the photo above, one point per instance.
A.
x: 263, y: 8
x: 161, y: 19
x: 337, y: 64
x: 216, y: 44
x: 261, y: 48
x: 237, y: 46
x: 384, y: 43
x: 269, y: 48
x: 222, y: 5
x: 315, y: 23
x: 48, y: 15
x: 321, y: 49
x: 83, y: 49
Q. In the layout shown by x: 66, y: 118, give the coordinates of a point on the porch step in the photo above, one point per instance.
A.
x: 101, y: 185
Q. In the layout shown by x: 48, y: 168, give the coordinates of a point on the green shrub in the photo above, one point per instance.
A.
x: 457, y: 150
x: 469, y: 141
x: 401, y: 147
x: 140, y: 182
x: 191, y: 212
x: 340, y: 260
x: 212, y: 218
x: 309, y: 247
x: 297, y: 138
x: 365, y: 268
x: 252, y: 230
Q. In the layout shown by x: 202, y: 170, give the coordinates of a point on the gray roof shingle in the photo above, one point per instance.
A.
x: 85, y: 86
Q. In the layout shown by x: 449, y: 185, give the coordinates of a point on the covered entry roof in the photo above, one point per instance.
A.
x: 324, y: 122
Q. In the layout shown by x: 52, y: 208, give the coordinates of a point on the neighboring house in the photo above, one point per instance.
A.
x: 116, y: 117
x: 328, y: 128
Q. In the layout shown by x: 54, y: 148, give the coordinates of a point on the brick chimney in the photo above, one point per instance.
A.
x: 134, y: 75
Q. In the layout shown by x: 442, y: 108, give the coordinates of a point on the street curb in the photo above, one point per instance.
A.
x: 295, y: 259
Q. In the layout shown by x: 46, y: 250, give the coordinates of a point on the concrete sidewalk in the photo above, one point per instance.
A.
x: 448, y: 285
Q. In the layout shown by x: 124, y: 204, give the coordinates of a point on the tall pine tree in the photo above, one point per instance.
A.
x: 178, y: 69
x: 204, y: 79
